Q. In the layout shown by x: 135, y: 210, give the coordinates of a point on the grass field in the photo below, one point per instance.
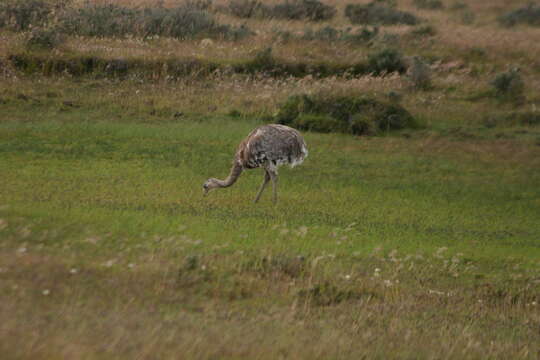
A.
x: 374, y: 244
x: 420, y: 243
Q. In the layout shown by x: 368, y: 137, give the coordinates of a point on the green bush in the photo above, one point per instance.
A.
x: 394, y: 96
x: 458, y: 5
x: 529, y: 118
x: 199, y: 4
x: 420, y: 74
x: 468, y: 17
x: 347, y: 114
x: 361, y: 36
x: 43, y: 38
x: 310, y: 10
x: 99, y: 20
x: 183, y: 22
x: 328, y: 33
x: 509, y: 85
x: 20, y: 15
x: 386, y: 61
x: 387, y: 3
x: 428, y: 4
x: 319, y: 123
x: 528, y: 15
x: 424, y: 30
x: 523, y: 118
x: 376, y: 14
x: 263, y: 61
x: 246, y: 9
x: 363, y: 124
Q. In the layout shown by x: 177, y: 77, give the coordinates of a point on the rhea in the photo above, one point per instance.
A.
x: 268, y: 147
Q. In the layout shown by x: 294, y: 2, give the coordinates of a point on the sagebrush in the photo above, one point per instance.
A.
x: 528, y: 15
x: 310, y: 10
x: 376, y: 14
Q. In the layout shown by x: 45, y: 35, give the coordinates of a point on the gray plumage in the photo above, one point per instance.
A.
x: 268, y: 146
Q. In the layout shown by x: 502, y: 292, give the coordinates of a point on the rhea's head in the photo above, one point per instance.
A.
x: 210, y: 184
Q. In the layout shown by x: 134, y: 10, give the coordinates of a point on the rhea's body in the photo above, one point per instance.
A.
x: 268, y: 147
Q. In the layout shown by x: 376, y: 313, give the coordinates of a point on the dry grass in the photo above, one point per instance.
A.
x: 452, y: 41
x: 230, y: 52
x: 485, y: 34
x: 153, y: 307
x: 466, y: 58
x: 261, y: 95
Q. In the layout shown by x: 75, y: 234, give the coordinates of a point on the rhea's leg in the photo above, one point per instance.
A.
x: 265, y: 181
x: 273, y: 177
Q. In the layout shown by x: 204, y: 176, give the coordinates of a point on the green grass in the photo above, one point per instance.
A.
x: 147, y: 178
x: 105, y: 214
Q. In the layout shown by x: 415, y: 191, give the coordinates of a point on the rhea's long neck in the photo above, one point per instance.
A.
x: 236, y: 170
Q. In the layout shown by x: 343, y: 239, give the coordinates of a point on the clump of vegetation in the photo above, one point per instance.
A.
x: 458, y: 5
x: 529, y: 118
x: 359, y: 115
x: 199, y: 4
x: 320, y: 123
x: 311, y: 10
x: 420, y: 74
x: 509, y: 85
x: 386, y: 61
x: 171, y: 68
x: 327, y: 33
x: 428, y: 4
x: 43, y: 38
x: 389, y: 3
x: 283, y: 36
x: 523, y: 118
x: 387, y: 40
x: 394, y: 96
x: 81, y: 65
x: 99, y: 20
x: 186, y: 21
x: 361, y: 36
x: 475, y: 54
x: 263, y: 60
x: 246, y: 9
x: 528, y: 15
x: 376, y: 13
x: 468, y: 17
x: 462, y: 13
x: 424, y: 30
x: 22, y: 15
